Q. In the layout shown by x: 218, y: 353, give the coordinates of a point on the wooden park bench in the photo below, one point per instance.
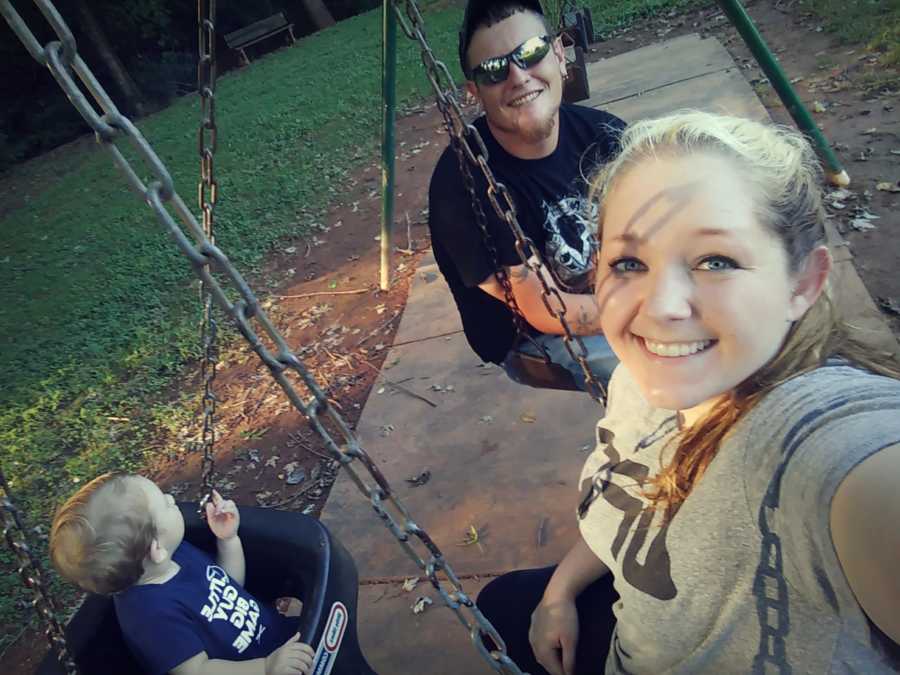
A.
x: 257, y: 31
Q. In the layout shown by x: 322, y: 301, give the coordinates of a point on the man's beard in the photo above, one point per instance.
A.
x: 532, y: 134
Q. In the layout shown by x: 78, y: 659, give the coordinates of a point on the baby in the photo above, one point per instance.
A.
x: 180, y: 612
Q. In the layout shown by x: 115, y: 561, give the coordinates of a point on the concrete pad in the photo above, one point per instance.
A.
x: 430, y: 314
x: 398, y: 642
x: 858, y: 309
x: 724, y: 92
x: 503, y: 457
x: 638, y: 72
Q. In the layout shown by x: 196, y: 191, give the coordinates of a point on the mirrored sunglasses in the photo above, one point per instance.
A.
x: 527, y: 55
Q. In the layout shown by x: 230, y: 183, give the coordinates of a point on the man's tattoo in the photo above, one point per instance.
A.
x: 588, y: 321
x: 518, y: 273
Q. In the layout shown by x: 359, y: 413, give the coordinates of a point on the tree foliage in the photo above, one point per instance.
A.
x: 156, y: 40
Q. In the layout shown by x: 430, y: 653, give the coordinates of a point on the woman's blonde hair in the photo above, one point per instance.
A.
x: 102, y: 534
x: 785, y: 176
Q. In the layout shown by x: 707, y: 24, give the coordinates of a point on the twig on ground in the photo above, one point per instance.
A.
x: 315, y: 293
x: 378, y: 330
x: 293, y: 497
x: 398, y: 386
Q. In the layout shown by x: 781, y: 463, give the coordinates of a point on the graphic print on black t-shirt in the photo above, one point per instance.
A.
x: 570, y: 244
x: 654, y: 576
x: 224, y: 603
x: 548, y: 194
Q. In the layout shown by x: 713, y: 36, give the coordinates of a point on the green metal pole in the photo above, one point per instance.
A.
x: 769, y: 64
x: 389, y: 105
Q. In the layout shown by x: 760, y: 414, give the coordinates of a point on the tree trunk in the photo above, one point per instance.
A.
x: 318, y: 13
x: 95, y: 35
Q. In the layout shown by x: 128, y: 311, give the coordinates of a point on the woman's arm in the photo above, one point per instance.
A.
x: 865, y: 529
x: 554, y: 623
x: 578, y: 570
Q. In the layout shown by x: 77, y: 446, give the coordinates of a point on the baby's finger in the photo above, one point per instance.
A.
x: 307, y: 649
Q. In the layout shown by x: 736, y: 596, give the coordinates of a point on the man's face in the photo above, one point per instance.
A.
x: 523, y: 109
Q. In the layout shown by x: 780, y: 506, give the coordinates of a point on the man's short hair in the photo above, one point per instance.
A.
x: 102, y: 534
x: 483, y: 13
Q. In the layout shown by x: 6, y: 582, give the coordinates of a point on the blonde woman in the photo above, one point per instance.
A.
x: 740, y: 513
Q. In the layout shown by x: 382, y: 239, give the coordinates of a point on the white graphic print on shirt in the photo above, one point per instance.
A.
x: 224, y: 603
x: 571, y: 243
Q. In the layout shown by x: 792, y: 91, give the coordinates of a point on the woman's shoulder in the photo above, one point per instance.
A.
x: 838, y: 387
x: 817, y: 426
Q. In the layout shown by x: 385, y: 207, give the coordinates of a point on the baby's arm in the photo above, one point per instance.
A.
x: 292, y: 658
x: 224, y: 519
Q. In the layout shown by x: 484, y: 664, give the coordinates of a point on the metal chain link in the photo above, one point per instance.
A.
x: 461, y: 134
x: 207, y: 194
x: 33, y: 577
x: 204, y: 255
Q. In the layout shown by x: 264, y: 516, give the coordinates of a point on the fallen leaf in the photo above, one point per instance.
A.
x: 296, y: 477
x: 290, y: 249
x: 422, y: 603
x: 487, y: 419
x: 889, y: 305
x: 272, y: 461
x: 888, y: 187
x: 528, y: 418
x: 817, y: 107
x: 410, y: 584
x: 421, y: 479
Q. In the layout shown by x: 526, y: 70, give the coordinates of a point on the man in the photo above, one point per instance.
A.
x: 543, y: 152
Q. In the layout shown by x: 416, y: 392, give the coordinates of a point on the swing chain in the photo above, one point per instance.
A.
x: 461, y: 134
x: 500, y: 272
x: 202, y: 255
x: 207, y: 194
x: 33, y: 578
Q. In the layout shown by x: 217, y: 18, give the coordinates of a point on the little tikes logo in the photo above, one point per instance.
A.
x: 332, y: 636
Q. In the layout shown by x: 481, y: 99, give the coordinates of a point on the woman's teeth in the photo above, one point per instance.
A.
x: 671, y: 349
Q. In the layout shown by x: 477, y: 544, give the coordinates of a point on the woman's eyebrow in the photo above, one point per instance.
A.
x: 631, y: 238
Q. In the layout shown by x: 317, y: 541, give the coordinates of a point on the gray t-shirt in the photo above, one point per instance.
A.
x: 751, y: 545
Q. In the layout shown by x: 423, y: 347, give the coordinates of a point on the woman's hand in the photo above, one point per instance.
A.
x: 223, y: 517
x: 554, y: 635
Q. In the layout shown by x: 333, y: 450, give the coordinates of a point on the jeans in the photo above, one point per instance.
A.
x: 600, y: 358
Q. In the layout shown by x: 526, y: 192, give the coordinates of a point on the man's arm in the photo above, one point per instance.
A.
x: 582, y: 311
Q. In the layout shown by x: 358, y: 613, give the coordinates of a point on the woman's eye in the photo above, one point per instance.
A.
x: 623, y: 265
x: 717, y: 263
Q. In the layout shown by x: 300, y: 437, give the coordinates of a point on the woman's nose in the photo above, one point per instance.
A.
x: 669, y: 295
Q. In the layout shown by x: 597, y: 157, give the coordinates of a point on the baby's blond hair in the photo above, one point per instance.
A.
x: 102, y: 534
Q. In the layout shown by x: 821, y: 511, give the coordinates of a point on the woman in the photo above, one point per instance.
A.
x: 739, y: 513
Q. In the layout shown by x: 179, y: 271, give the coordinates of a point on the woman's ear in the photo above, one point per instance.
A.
x: 809, y: 282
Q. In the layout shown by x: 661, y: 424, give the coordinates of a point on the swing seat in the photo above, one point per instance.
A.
x: 537, y: 372
x: 288, y: 555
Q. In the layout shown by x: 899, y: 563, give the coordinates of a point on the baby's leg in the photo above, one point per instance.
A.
x: 289, y: 607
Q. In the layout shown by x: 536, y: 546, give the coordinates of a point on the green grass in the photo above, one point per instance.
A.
x: 875, y: 23
x: 98, y: 309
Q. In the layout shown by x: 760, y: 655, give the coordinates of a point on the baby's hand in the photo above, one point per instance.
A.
x: 222, y: 516
x: 291, y: 658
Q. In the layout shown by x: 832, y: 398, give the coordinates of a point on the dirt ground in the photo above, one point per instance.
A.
x: 324, y: 293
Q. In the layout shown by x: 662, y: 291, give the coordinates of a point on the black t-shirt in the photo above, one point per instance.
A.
x: 551, y: 206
